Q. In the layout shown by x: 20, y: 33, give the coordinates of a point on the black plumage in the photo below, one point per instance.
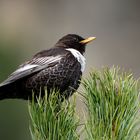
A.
x: 59, y: 67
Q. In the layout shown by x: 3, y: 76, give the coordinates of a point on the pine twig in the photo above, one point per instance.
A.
x: 49, y: 121
x: 112, y: 99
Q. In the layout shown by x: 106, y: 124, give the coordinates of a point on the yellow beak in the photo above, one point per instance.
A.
x: 85, y: 41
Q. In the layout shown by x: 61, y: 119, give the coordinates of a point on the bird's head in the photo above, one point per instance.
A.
x: 74, y: 41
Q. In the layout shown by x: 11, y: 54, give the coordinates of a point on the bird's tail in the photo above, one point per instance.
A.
x: 5, y: 92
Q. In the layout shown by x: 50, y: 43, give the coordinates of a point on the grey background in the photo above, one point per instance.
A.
x: 28, y: 26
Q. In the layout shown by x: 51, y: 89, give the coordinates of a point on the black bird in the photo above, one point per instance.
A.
x: 60, y: 67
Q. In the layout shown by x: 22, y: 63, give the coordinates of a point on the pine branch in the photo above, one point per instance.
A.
x: 112, y: 99
x: 52, y: 121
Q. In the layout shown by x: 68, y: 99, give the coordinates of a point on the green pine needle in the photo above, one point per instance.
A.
x: 51, y: 120
x: 112, y: 99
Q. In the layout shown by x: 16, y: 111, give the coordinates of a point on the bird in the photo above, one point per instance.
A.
x: 59, y: 67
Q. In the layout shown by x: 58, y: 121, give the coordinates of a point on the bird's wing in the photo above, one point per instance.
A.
x: 31, y: 67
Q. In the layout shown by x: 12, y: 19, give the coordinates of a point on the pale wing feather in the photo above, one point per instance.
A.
x: 31, y: 67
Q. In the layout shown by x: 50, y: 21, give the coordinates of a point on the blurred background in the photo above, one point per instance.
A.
x: 28, y: 26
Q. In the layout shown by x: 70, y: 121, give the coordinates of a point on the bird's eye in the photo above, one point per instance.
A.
x: 76, y: 39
